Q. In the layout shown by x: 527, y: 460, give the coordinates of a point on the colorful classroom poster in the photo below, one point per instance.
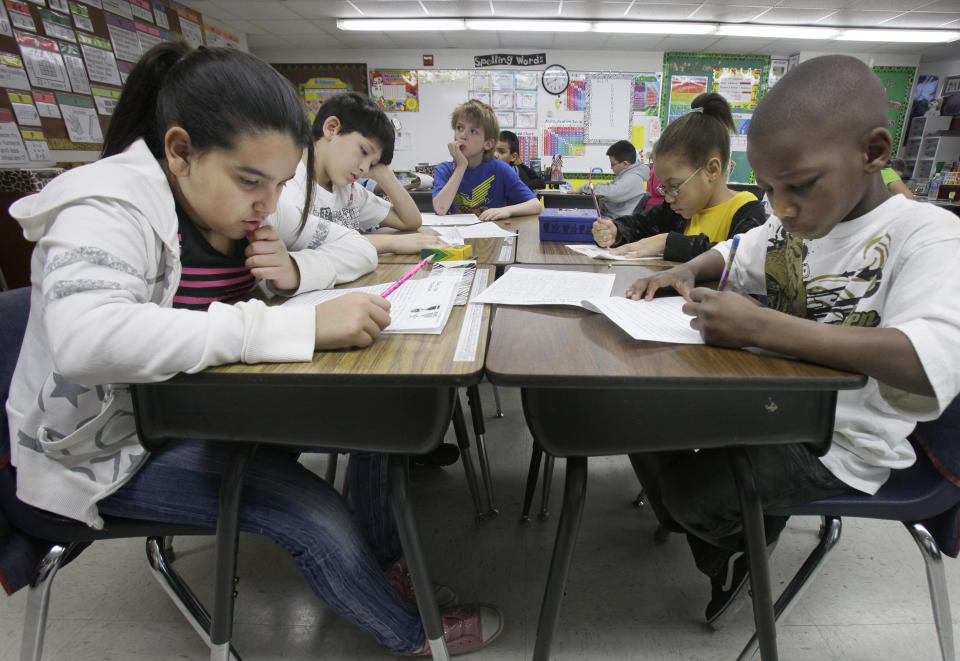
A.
x: 564, y: 138
x: 12, y: 72
x: 683, y: 90
x: 11, y: 144
x: 317, y: 90
x: 897, y: 82
x: 576, y: 98
x: 529, y: 145
x: 740, y: 87
x: 395, y: 91
x: 80, y: 118
x: 646, y: 93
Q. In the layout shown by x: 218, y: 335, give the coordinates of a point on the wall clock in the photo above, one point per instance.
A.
x: 555, y: 79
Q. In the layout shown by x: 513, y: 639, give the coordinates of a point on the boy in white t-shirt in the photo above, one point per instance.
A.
x: 353, y: 138
x: 853, y: 278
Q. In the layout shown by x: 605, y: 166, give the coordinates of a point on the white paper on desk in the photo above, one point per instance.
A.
x: 417, y: 306
x: 479, y: 231
x: 433, y: 220
x: 462, y: 270
x: 596, y: 252
x: 522, y: 286
x: 657, y: 320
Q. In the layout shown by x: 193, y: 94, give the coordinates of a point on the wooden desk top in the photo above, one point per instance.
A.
x: 531, y: 250
x: 407, y: 358
x: 540, y: 346
x: 501, y: 250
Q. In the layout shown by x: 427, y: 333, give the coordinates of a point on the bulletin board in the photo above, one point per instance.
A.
x: 897, y: 83
x: 544, y: 123
x: 316, y: 82
x: 63, y: 64
x: 741, y: 79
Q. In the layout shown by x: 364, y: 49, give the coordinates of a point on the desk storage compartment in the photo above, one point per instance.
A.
x: 567, y: 224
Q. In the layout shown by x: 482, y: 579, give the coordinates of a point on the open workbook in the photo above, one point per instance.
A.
x: 659, y: 320
x: 417, y: 306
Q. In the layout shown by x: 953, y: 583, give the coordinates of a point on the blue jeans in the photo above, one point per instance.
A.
x: 334, y: 548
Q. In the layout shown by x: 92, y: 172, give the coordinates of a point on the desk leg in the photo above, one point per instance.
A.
x: 479, y: 432
x: 574, y: 495
x: 463, y: 441
x: 228, y: 539
x: 413, y: 553
x: 756, y: 542
x: 536, y: 455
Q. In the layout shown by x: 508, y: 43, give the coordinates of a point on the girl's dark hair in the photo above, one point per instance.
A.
x: 217, y: 95
x: 358, y: 113
x: 700, y: 134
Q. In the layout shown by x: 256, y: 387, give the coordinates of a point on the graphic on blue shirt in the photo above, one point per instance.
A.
x: 490, y: 185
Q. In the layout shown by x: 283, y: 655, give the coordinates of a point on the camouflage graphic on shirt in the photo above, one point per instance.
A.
x: 831, y: 298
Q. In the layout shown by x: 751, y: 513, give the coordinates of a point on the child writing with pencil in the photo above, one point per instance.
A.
x: 690, y: 160
x: 353, y: 138
x: 474, y: 181
x: 847, y: 283
x: 142, y: 262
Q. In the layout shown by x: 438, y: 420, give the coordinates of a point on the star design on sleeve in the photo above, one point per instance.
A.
x: 67, y: 390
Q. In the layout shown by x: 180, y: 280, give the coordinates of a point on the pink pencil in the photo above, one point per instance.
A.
x: 406, y: 276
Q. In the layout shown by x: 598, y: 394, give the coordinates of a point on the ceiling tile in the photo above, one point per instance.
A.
x: 662, y: 12
x: 794, y: 16
x: 923, y: 19
x: 291, y: 28
x: 392, y: 9
x: 250, y: 9
x: 328, y: 9
x: 740, y: 13
x: 536, y: 9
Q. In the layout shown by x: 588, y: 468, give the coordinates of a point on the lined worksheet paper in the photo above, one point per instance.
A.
x: 522, y: 286
x: 658, y: 320
x: 479, y: 231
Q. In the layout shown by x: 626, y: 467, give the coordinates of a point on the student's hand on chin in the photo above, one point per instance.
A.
x: 680, y: 278
x: 268, y: 259
x: 351, y: 320
x: 724, y: 318
x: 495, y: 214
x: 456, y: 151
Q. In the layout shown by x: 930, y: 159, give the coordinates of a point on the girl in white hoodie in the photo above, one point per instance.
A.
x: 142, y: 264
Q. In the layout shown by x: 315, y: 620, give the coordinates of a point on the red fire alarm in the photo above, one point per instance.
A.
x: 428, y: 60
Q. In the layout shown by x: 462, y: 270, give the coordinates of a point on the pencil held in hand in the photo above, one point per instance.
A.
x: 729, y: 264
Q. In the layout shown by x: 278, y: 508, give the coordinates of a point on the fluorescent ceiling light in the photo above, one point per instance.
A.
x: 649, y: 27
x: 401, y: 24
x: 776, y: 31
x: 528, y: 25
x: 901, y: 36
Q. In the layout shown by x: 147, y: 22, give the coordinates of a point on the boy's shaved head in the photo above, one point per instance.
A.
x: 830, y: 97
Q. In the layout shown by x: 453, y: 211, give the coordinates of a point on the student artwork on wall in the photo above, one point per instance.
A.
x: 504, y: 118
x: 502, y: 80
x: 502, y: 99
x: 526, y: 80
x: 62, y: 65
x: 526, y: 119
x: 526, y: 100
x: 608, y: 114
x: 646, y: 93
x: 897, y: 83
x: 395, y: 91
x: 480, y: 95
x: 478, y: 80
x: 317, y: 90
x: 564, y: 138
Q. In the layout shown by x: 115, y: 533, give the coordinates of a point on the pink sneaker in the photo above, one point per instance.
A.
x: 467, y: 628
x: 398, y: 576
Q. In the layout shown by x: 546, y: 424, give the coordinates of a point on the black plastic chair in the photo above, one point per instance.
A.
x: 62, y: 539
x: 924, y: 497
x: 423, y: 199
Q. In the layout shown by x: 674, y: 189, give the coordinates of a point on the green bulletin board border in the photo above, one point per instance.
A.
x: 703, y: 64
x: 897, y: 83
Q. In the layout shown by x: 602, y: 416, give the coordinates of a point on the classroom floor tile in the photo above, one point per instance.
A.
x: 627, y: 598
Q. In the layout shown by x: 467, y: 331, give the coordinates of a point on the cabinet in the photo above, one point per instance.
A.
x: 935, y: 150
x: 920, y: 129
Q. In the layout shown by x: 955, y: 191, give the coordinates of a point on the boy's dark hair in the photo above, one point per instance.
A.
x: 358, y: 114
x: 215, y: 94
x: 512, y: 141
x: 702, y: 133
x: 623, y: 151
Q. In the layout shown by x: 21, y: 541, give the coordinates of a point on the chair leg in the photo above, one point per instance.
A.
x: 496, y: 400
x: 159, y: 557
x: 536, y: 455
x: 830, y: 529
x: 463, y: 441
x: 479, y: 433
x: 38, y: 602
x: 331, y: 473
x: 937, y: 583
x: 545, y: 489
